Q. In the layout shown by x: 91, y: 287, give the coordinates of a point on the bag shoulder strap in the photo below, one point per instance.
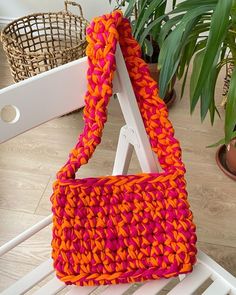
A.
x: 102, y: 36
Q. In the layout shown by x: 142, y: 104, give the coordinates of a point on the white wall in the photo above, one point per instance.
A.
x: 169, y: 4
x: 10, y: 9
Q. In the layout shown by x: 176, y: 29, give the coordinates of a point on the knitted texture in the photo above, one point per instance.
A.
x: 120, y: 229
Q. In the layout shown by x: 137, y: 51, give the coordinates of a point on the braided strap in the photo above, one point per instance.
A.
x: 119, y: 229
x: 102, y: 38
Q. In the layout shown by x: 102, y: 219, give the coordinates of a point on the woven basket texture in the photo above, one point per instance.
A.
x: 39, y: 42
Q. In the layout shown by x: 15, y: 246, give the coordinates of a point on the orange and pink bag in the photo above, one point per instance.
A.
x: 124, y: 228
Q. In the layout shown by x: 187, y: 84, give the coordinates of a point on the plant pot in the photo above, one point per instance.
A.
x: 170, y: 96
x: 221, y: 162
x: 230, y: 156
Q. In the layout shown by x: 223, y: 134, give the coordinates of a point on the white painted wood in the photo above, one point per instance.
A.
x: 46, y: 96
x: 152, y: 287
x: 18, y: 8
x: 181, y: 277
x: 217, y: 287
x: 133, y: 118
x: 25, y: 235
x: 116, y: 289
x: 123, y: 154
x: 30, y: 280
x: 192, y: 281
x: 217, y: 271
x: 50, y: 288
x: 81, y: 290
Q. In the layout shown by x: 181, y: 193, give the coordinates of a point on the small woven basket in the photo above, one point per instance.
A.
x: 39, y: 42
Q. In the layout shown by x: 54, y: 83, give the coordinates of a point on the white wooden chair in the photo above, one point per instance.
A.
x: 44, y: 97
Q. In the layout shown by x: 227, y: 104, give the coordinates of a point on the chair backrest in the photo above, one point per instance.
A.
x: 61, y: 90
x: 44, y: 97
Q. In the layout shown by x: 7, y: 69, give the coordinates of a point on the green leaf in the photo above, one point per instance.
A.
x: 190, y: 47
x: 148, y: 48
x: 218, y: 113
x: 200, y: 45
x: 167, y: 27
x: 197, y: 65
x: 230, y: 114
x: 130, y: 8
x: 159, y: 12
x: 148, y: 29
x: 143, y: 4
x: 184, y: 82
x: 186, y: 56
x: 144, y: 16
x: 173, y: 45
x: 218, y: 29
x: 199, y: 29
x: 173, y: 4
x: 169, y: 60
x: 230, y: 38
x: 221, y: 141
x: 223, y: 51
x: 212, y: 110
x: 233, y: 14
x: 208, y: 91
x: 193, y: 4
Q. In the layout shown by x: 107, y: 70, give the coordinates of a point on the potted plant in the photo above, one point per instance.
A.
x: 231, y: 156
x: 205, y: 31
x: 147, y: 17
x: 230, y: 153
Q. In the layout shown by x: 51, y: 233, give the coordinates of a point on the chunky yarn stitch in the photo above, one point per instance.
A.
x: 120, y: 229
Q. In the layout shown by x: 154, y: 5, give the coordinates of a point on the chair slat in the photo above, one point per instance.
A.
x: 116, y: 289
x: 151, y: 288
x: 46, y: 96
x: 217, y: 270
x: 51, y: 288
x: 192, y: 281
x: 31, y: 279
x: 25, y: 235
x: 217, y: 287
x: 75, y: 290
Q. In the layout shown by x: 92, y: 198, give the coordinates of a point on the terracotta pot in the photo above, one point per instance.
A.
x: 170, y: 96
x: 221, y: 162
x: 230, y: 156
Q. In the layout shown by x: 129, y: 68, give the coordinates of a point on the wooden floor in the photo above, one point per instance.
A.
x: 28, y: 165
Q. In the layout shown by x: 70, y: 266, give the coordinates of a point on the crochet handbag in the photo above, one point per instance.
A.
x: 124, y: 228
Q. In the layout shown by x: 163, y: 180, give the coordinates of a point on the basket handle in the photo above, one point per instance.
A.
x: 67, y: 2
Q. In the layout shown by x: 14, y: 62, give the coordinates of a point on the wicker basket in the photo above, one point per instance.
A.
x: 39, y: 42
